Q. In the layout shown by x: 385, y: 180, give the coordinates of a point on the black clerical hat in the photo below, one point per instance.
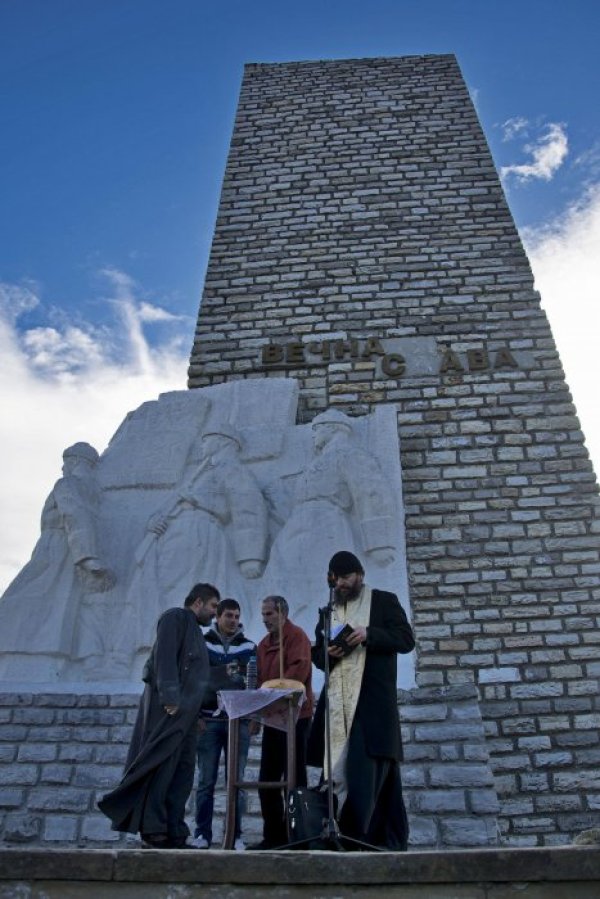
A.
x: 344, y: 563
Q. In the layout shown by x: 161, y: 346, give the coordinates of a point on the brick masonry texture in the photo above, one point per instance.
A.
x: 60, y: 753
x: 360, y: 201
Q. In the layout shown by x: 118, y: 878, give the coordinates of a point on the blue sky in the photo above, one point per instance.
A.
x: 115, y: 120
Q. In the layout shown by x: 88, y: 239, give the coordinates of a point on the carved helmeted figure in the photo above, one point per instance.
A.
x: 340, y: 498
x: 39, y: 610
x: 213, y: 526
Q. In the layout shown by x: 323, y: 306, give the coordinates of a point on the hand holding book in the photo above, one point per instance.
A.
x: 339, y: 639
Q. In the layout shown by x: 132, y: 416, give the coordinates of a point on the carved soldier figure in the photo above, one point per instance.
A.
x: 39, y: 610
x: 214, y: 525
x: 341, y: 497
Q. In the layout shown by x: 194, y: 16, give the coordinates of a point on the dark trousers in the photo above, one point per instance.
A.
x: 273, y: 766
x: 374, y: 810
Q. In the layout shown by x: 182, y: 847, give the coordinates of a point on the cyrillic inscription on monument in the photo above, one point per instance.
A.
x: 393, y: 357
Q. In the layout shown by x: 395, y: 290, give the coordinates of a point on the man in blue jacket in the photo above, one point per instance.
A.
x: 229, y: 652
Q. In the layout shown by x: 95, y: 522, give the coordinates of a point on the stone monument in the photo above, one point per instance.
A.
x: 364, y: 247
x: 371, y: 371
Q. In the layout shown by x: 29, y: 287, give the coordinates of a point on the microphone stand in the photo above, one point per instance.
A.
x: 331, y: 837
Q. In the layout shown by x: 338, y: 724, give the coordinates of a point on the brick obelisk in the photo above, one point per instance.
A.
x: 364, y: 246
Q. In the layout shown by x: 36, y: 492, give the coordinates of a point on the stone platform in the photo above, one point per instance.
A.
x: 538, y: 873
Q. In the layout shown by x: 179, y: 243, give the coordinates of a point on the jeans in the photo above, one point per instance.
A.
x: 210, y: 744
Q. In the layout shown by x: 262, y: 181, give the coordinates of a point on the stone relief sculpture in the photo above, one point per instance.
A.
x: 341, y: 500
x: 217, y: 485
x: 213, y: 528
x: 39, y: 609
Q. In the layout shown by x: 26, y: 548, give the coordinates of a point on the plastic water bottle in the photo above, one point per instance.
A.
x: 251, y: 674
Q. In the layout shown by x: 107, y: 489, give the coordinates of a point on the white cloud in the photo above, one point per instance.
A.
x: 512, y: 127
x: 51, y: 351
x: 58, y: 386
x: 475, y: 93
x: 547, y: 155
x: 589, y: 161
x: 123, y: 283
x: 565, y: 256
x: 16, y: 299
x: 150, y: 313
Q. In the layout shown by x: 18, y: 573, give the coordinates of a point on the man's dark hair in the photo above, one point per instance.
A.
x: 280, y: 603
x: 228, y: 603
x: 203, y: 592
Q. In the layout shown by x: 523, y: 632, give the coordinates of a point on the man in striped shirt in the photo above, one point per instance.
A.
x: 229, y: 651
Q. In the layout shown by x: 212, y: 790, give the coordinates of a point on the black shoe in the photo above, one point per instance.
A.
x: 155, y: 841
x: 264, y: 844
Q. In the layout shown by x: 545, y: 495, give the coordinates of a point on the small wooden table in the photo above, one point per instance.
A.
x: 279, y: 710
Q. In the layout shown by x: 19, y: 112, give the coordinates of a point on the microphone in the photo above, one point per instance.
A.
x: 331, y: 579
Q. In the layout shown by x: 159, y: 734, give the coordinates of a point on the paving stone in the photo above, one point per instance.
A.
x: 11, y: 797
x: 21, y: 828
x: 437, y: 801
x: 468, y: 832
x: 37, y: 752
x: 60, y: 829
x: 455, y: 775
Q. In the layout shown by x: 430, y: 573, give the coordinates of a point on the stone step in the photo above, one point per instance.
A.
x: 533, y: 873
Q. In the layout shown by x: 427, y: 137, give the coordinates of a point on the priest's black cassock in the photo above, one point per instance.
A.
x: 374, y: 810
x: 159, y: 771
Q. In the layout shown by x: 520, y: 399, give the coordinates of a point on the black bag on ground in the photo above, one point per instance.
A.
x: 307, y: 816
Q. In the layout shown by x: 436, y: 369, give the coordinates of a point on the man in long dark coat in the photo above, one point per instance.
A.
x: 159, y: 771
x: 365, y: 727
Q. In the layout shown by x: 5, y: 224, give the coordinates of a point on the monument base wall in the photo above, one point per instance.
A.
x: 60, y: 752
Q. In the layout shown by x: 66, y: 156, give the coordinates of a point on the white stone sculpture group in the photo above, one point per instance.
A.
x: 216, y: 485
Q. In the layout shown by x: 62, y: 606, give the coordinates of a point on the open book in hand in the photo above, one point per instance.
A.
x: 339, y: 637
